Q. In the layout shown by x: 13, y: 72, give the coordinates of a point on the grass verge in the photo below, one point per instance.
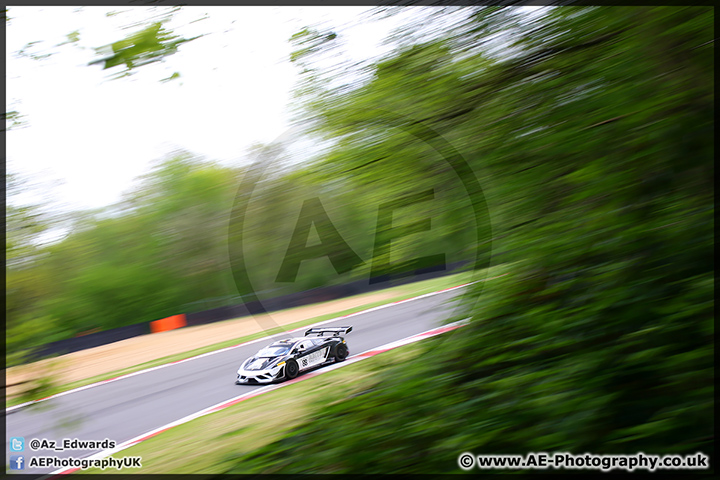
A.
x: 403, y: 292
x: 211, y: 444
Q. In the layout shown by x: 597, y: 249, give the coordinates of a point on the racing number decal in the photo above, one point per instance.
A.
x: 313, y: 359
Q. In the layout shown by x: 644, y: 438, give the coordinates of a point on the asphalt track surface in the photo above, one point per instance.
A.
x: 131, y: 406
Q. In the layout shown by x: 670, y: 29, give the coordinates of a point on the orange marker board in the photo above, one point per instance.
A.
x: 169, y: 323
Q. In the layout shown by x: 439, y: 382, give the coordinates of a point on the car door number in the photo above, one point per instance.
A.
x: 313, y: 359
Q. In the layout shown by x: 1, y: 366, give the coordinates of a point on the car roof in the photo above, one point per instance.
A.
x: 286, y: 341
x: 292, y: 341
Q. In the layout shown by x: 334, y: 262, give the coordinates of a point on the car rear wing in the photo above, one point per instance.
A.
x: 336, y: 331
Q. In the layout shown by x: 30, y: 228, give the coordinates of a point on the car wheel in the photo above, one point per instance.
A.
x: 341, y: 352
x: 291, y: 369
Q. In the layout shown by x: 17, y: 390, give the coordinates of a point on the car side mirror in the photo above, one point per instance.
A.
x: 294, y: 351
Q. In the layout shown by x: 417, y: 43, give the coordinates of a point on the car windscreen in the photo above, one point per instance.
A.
x: 274, y: 351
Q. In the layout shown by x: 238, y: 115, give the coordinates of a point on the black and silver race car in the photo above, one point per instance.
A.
x: 285, y: 359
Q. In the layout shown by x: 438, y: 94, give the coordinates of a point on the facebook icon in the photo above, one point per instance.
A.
x: 17, y: 462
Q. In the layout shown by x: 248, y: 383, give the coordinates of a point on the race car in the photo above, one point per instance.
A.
x: 285, y: 359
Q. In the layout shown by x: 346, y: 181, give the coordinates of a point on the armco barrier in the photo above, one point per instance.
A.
x: 322, y: 294
x: 334, y: 292
x: 216, y: 315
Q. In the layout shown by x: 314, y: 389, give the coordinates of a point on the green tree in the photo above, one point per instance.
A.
x: 26, y: 282
x: 159, y: 251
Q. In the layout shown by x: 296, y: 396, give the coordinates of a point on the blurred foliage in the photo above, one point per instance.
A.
x: 25, y: 284
x: 153, y: 43
x: 13, y: 119
x: 593, y: 137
